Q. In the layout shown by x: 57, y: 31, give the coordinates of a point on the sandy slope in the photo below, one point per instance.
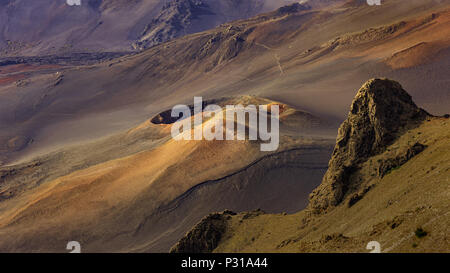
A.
x: 100, y: 182
x: 143, y: 199
x: 296, y: 58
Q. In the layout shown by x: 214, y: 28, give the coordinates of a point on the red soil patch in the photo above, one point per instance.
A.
x: 12, y: 73
x: 11, y: 79
x: 25, y: 68
x: 415, y: 55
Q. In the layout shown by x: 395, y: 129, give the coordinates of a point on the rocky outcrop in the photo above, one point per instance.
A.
x: 178, y: 18
x: 205, y: 236
x: 289, y: 9
x: 380, y: 112
x: 392, y: 163
x: 172, y: 21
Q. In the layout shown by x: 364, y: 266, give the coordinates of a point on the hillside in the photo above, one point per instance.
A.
x: 85, y: 147
x: 397, y: 194
x: 141, y: 190
x: 289, y: 57
x: 52, y: 27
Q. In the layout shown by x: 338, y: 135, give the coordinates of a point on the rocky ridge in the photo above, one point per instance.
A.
x: 205, y: 236
x: 379, y: 113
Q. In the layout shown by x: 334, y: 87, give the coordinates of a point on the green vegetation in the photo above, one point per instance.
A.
x: 393, y: 169
x: 420, y: 233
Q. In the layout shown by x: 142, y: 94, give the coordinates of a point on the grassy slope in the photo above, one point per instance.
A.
x: 415, y: 195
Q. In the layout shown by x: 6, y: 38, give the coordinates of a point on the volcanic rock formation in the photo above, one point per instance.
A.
x: 368, y: 149
x: 205, y: 236
x: 380, y: 110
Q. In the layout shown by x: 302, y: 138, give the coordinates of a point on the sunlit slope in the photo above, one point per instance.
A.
x: 54, y: 27
x: 294, y: 56
x: 411, y: 197
x: 135, y: 201
x: 106, y: 169
x: 387, y: 181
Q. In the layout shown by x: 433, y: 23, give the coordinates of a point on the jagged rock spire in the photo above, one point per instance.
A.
x: 378, y: 114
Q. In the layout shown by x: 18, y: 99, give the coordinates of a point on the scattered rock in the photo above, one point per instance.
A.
x: 22, y: 83
x: 58, y: 78
x: 252, y: 214
x: 339, y: 237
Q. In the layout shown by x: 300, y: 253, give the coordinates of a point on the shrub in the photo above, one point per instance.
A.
x: 420, y: 233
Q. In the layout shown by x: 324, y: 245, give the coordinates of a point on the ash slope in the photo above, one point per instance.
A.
x: 141, y: 190
x: 52, y: 27
x: 396, y: 193
x: 294, y: 56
